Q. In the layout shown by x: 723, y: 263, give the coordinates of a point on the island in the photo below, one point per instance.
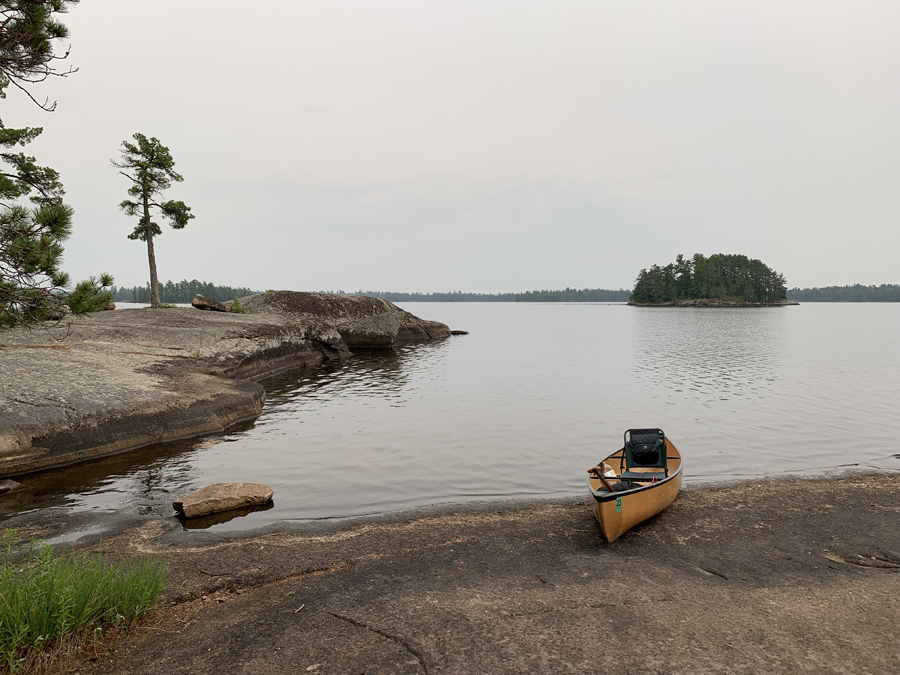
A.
x: 721, y: 280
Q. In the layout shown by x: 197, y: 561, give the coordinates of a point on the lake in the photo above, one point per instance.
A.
x: 525, y: 403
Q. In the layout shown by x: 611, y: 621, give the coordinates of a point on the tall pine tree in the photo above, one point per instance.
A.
x: 148, y: 164
x: 32, y: 285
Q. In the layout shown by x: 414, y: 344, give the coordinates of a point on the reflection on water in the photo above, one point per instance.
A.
x: 710, y: 352
x: 527, y: 401
x: 378, y: 375
x: 207, y: 521
x: 149, y: 479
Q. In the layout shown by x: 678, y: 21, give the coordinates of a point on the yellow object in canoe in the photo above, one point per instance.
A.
x: 637, y: 491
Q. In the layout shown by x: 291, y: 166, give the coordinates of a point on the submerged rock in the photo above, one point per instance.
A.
x: 363, y: 322
x: 223, y: 497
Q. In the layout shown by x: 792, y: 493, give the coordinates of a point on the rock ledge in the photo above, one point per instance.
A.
x: 116, y: 381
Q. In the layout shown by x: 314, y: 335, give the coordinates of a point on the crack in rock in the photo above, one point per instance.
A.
x: 713, y: 573
x: 882, y: 561
x: 414, y: 651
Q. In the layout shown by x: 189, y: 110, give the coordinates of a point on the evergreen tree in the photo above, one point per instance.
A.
x: 151, y: 169
x: 32, y: 285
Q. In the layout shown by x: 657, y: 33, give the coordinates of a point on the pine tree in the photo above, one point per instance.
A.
x: 151, y: 169
x: 32, y: 285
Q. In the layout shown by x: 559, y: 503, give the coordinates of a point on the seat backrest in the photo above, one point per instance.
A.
x: 645, y: 448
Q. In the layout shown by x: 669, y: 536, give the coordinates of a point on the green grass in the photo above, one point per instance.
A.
x: 48, y: 599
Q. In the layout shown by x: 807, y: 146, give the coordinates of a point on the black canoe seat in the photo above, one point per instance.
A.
x: 645, y: 448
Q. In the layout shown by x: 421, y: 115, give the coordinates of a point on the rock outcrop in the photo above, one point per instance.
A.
x: 111, y: 382
x: 202, y: 302
x: 362, y: 322
x: 115, y: 381
x: 223, y: 497
x: 57, y: 309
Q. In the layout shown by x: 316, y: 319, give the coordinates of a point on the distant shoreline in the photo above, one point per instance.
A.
x: 714, y: 303
x: 184, y: 291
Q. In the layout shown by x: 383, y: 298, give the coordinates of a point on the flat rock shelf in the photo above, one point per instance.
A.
x: 119, y: 380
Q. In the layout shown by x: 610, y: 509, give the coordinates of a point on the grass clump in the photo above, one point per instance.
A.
x: 48, y: 600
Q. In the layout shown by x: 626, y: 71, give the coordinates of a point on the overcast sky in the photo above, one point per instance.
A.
x: 484, y: 145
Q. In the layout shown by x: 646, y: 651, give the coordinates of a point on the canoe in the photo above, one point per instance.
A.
x: 636, y: 486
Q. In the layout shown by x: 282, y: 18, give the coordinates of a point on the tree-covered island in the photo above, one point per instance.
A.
x: 725, y: 279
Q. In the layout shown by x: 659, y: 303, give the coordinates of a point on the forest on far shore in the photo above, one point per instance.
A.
x: 184, y: 291
x: 567, y: 295
x: 855, y: 293
x: 180, y: 291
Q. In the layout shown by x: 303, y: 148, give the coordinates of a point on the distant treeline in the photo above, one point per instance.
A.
x: 180, y: 291
x: 726, y: 277
x: 568, y: 295
x: 575, y: 295
x: 452, y: 296
x: 856, y: 293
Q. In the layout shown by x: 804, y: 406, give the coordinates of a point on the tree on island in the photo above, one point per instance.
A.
x: 32, y: 285
x: 151, y: 169
x: 720, y: 276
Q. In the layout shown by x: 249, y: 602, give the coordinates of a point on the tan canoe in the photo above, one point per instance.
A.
x: 617, y: 512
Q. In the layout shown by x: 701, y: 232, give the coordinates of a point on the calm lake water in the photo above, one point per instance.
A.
x: 526, y: 402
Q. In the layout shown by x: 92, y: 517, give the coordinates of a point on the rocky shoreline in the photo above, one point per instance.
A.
x: 119, y: 380
x: 761, y: 577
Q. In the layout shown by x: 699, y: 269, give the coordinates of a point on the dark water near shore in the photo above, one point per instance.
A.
x: 525, y: 403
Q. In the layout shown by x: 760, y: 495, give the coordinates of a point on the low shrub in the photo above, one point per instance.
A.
x: 236, y: 307
x: 48, y: 599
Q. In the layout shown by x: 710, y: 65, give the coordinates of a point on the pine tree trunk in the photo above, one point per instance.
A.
x: 154, y: 281
x: 151, y: 255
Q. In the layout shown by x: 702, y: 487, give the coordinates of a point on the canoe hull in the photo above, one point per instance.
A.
x: 618, y: 512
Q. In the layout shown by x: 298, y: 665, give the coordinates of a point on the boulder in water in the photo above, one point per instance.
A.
x: 223, y: 497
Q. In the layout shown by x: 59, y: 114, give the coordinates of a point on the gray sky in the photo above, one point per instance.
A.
x: 484, y: 146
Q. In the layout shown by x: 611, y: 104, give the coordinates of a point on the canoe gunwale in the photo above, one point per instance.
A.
x: 606, y: 496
